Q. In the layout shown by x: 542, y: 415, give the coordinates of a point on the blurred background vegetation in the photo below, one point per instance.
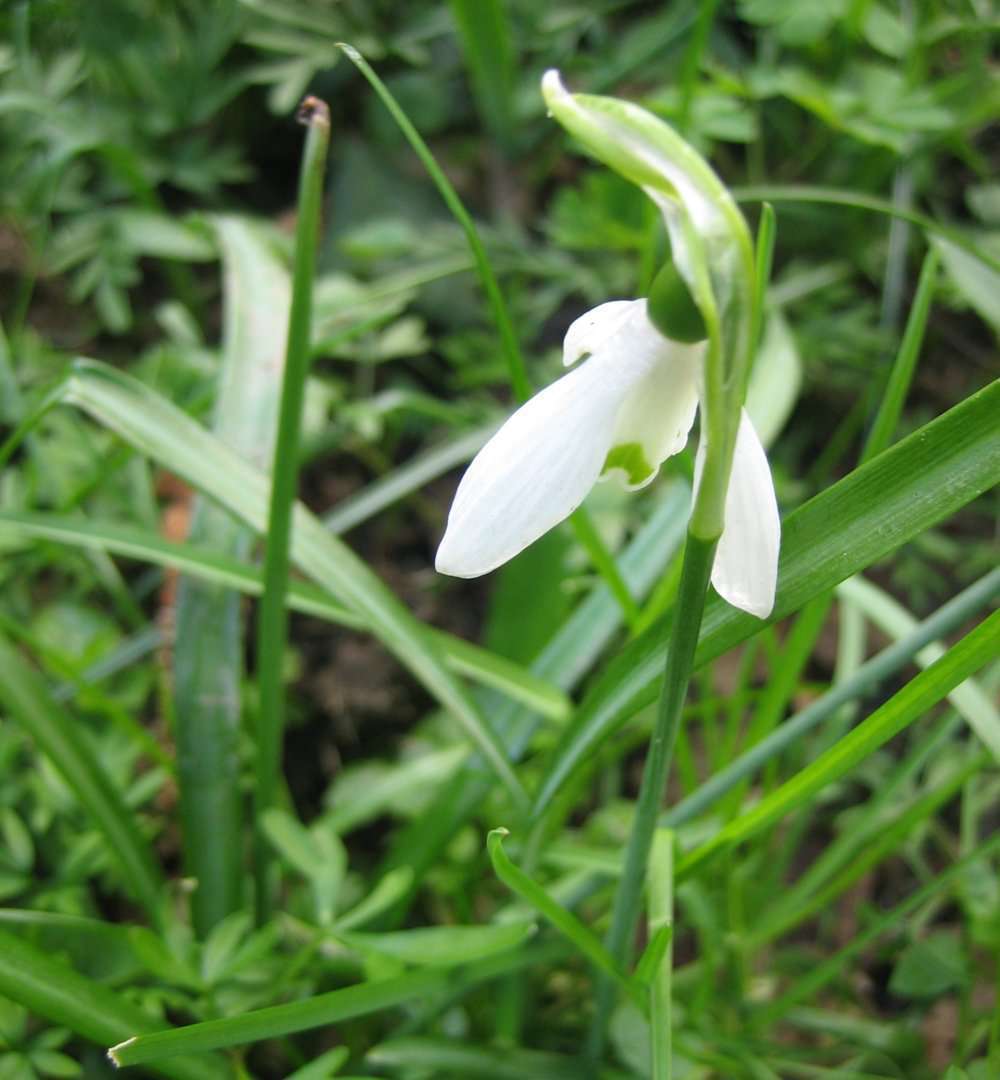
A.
x: 135, y: 133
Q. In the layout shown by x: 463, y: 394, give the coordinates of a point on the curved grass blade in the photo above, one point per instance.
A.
x: 53, y: 990
x: 505, y: 328
x: 153, y: 426
x: 561, y: 918
x: 860, y: 201
x: 26, y: 700
x: 910, y: 487
x: 977, y: 648
x: 222, y: 571
x: 946, y: 619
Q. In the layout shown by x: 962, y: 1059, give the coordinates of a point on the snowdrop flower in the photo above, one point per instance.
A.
x: 628, y: 406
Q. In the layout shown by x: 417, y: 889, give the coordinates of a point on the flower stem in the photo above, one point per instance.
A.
x: 695, y: 573
x: 272, y: 630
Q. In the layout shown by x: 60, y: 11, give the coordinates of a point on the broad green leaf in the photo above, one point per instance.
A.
x: 930, y: 968
x: 155, y: 427
x: 905, y: 490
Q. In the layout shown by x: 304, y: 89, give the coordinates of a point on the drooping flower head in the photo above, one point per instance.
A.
x: 631, y: 403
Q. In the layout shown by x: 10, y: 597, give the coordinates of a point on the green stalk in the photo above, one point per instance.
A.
x: 695, y: 573
x: 273, y: 618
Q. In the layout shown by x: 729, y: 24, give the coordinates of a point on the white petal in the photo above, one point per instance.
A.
x: 657, y: 416
x: 538, y: 467
x: 745, y: 572
x: 587, y: 334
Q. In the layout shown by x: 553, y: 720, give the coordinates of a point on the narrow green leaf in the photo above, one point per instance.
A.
x: 208, y: 642
x: 978, y: 647
x: 859, y: 200
x: 912, y: 486
x: 155, y: 427
x: 53, y: 990
x: 901, y: 375
x: 277, y: 1020
x: 660, y: 885
x: 489, y: 55
x: 27, y: 701
x: 505, y: 328
x: 563, y: 920
x: 461, y: 656
x: 272, y: 616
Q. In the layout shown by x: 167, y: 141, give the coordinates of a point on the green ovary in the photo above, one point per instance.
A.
x: 631, y: 459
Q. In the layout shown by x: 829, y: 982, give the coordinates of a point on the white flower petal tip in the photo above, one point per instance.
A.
x: 552, y: 86
x: 745, y: 572
x: 596, y: 328
x: 535, y: 471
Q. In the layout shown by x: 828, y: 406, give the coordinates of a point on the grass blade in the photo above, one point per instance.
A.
x: 891, y: 407
x: 977, y: 648
x: 27, y: 700
x: 208, y: 642
x: 272, y: 618
x: 860, y: 201
x: 222, y: 571
x: 489, y: 55
x: 279, y: 1020
x: 153, y: 426
x: 505, y: 328
x: 563, y: 920
x: 55, y: 991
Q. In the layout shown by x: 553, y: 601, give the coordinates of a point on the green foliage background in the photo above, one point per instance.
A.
x: 835, y: 879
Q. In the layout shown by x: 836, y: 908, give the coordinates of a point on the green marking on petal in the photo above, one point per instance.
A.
x: 631, y: 459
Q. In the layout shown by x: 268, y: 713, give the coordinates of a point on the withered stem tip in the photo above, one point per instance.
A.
x: 313, y: 111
